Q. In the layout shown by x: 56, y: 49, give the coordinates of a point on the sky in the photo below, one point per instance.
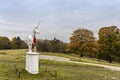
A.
x: 59, y: 18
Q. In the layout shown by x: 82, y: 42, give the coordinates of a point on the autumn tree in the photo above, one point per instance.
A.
x: 17, y: 43
x: 109, y: 40
x: 83, y: 42
x: 14, y: 43
x: 5, y: 43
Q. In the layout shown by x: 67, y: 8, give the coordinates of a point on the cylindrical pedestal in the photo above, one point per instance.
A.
x: 32, y: 62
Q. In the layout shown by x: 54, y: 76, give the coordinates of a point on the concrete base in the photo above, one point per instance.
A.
x: 32, y: 62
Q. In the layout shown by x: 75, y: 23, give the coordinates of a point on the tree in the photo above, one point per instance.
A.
x: 40, y: 45
x: 14, y: 43
x: 109, y: 40
x: 83, y: 42
x: 54, y: 45
x: 5, y: 43
x: 58, y: 45
x: 17, y: 43
x: 47, y: 45
x: 23, y: 45
x: 44, y: 45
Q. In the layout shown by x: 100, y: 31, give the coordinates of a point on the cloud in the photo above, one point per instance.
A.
x: 59, y: 17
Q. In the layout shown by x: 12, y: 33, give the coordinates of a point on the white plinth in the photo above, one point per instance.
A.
x: 32, y: 62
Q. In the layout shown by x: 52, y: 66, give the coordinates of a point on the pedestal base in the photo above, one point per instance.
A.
x: 32, y: 62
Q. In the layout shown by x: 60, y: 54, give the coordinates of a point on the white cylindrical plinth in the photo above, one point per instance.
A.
x: 32, y: 62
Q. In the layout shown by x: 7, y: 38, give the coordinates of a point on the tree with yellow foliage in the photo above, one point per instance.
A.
x: 83, y: 42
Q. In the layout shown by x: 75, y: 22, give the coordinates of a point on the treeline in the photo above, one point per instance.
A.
x: 107, y: 47
x: 54, y: 45
x: 15, y: 43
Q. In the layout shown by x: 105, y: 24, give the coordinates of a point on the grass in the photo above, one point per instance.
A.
x: 75, y: 57
x: 12, y: 64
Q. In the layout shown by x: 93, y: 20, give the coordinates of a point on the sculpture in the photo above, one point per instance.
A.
x: 32, y: 39
x: 35, y: 31
x: 32, y: 58
x: 29, y: 42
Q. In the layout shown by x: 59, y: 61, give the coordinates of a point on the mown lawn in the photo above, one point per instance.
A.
x: 12, y: 67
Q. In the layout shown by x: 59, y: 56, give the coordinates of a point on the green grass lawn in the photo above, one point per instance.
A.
x: 12, y: 67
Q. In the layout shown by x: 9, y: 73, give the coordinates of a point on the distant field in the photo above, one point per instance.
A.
x: 12, y: 64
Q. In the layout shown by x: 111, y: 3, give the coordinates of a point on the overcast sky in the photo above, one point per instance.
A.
x: 59, y: 18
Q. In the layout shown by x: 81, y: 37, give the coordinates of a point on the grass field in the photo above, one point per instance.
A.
x: 12, y: 64
x: 75, y: 57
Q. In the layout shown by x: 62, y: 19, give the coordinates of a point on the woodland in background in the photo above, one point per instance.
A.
x: 82, y: 42
x: 15, y: 43
x: 54, y: 45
